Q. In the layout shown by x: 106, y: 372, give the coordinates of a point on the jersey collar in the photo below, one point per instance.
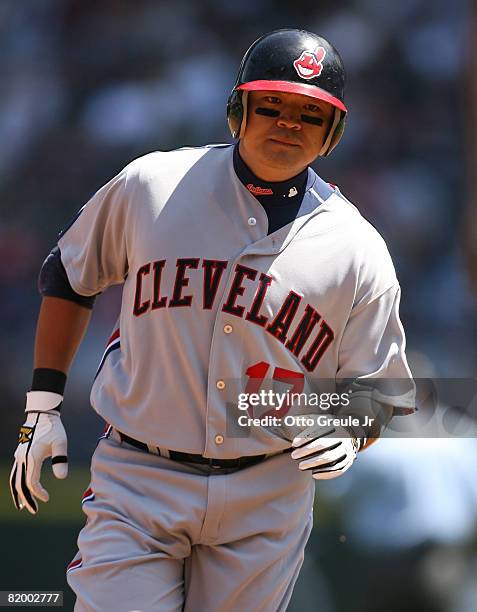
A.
x: 275, y: 193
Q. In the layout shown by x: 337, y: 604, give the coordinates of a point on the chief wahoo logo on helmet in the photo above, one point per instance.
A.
x: 310, y: 63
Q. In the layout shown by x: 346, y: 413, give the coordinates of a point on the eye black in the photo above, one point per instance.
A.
x: 313, y: 120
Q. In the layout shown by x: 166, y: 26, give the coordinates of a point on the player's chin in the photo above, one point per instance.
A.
x: 283, y: 155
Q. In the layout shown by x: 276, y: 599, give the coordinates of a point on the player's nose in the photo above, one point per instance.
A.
x: 289, y: 118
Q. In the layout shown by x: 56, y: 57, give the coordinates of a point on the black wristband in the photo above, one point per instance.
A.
x: 47, y: 379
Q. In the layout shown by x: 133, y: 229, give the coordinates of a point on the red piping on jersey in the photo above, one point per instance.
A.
x: 113, y: 337
x: 74, y: 564
x: 88, y: 492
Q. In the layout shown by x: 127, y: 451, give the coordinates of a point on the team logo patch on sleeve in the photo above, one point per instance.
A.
x: 310, y: 63
x: 25, y: 434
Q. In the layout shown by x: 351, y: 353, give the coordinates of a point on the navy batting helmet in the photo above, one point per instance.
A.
x: 291, y: 61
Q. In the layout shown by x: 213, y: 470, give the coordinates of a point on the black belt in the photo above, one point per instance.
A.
x: 239, y: 462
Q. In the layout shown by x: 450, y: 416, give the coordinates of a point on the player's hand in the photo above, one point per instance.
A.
x: 41, y: 436
x: 327, y: 451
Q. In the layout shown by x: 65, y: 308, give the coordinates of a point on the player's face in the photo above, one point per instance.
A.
x: 278, y: 147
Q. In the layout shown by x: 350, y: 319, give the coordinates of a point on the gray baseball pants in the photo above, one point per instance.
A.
x: 170, y: 536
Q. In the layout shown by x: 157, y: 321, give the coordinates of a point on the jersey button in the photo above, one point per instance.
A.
x: 219, y: 439
x: 228, y: 329
x: 220, y: 384
x: 252, y: 221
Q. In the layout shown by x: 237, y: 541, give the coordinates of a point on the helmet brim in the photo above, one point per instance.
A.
x: 291, y: 87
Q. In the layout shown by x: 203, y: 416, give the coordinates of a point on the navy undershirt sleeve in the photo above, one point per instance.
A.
x: 53, y: 281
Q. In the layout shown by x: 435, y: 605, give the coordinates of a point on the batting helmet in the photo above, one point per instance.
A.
x: 291, y: 61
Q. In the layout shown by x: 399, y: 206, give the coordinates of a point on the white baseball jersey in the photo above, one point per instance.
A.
x: 211, y: 302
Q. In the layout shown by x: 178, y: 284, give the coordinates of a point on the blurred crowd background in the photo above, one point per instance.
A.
x: 88, y: 86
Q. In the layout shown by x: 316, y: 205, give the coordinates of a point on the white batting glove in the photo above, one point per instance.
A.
x: 327, y: 451
x: 41, y: 436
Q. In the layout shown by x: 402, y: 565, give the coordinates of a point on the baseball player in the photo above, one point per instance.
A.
x: 241, y: 268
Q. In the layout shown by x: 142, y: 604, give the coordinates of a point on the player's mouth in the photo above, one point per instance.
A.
x: 285, y: 143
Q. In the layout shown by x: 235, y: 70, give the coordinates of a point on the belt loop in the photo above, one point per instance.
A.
x: 163, y: 452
